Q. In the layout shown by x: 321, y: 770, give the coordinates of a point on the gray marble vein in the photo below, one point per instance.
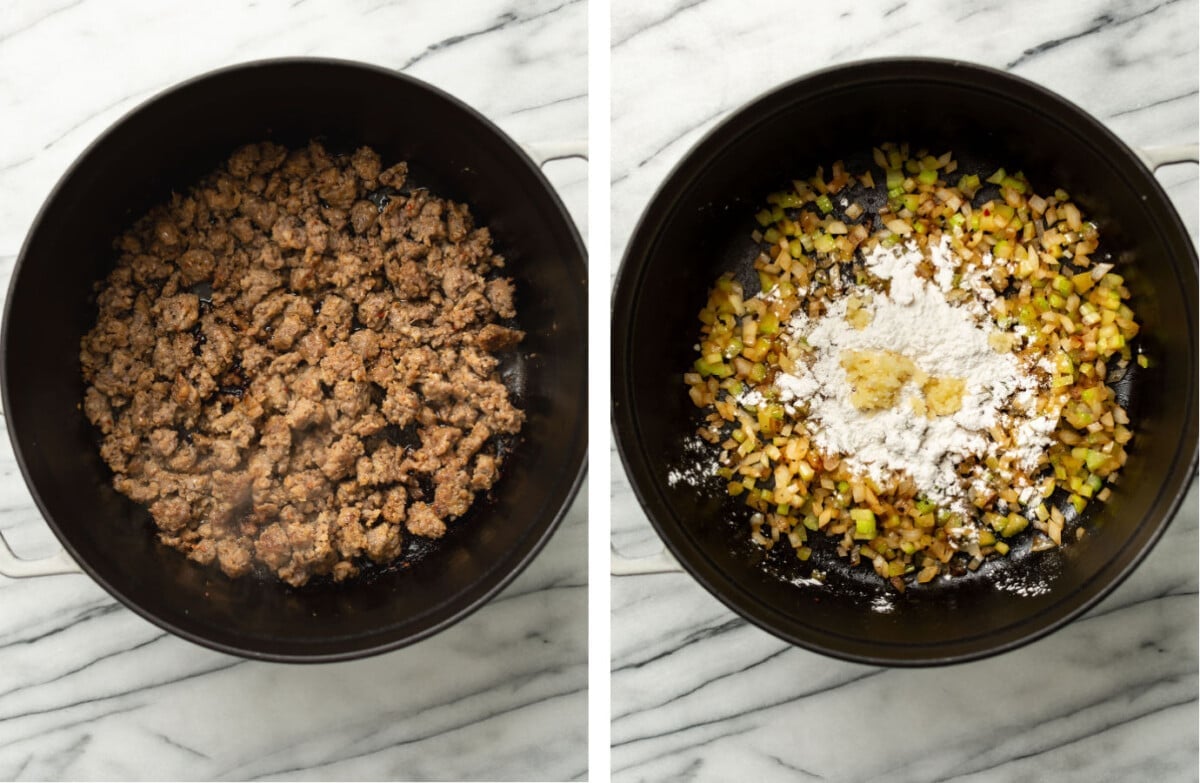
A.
x: 698, y: 694
x: 88, y: 690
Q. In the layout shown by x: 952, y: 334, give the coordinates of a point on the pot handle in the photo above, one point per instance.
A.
x: 1156, y: 157
x: 662, y: 562
x: 18, y: 568
x: 546, y: 151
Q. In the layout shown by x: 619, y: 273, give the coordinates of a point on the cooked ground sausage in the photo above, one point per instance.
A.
x: 261, y: 336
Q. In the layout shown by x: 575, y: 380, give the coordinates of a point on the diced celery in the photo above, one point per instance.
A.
x: 1015, y: 184
x: 764, y: 218
x: 927, y: 177
x: 824, y: 204
x: 1015, y: 524
x: 997, y: 177
x: 1063, y: 363
x: 864, y: 523
x: 1095, y: 460
x: 1079, y: 416
x: 895, y: 178
x: 769, y: 323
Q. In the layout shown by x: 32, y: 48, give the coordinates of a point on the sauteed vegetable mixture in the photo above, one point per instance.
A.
x: 922, y: 371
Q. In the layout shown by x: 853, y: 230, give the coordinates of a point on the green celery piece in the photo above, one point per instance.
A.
x: 864, y: 523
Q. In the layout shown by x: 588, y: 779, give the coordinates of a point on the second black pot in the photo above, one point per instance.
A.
x: 698, y: 226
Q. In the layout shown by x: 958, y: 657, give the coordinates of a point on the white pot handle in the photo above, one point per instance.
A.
x: 18, y: 568
x: 544, y: 152
x: 661, y: 562
x: 1156, y: 157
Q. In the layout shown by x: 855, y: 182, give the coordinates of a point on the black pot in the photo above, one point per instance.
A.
x: 169, y: 143
x: 698, y: 226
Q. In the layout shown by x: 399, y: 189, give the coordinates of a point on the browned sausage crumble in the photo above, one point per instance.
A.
x: 296, y: 360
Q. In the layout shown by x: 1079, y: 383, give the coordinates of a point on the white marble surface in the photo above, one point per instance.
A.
x: 699, y: 694
x: 88, y: 690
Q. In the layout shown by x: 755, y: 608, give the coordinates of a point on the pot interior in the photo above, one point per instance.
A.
x: 698, y: 226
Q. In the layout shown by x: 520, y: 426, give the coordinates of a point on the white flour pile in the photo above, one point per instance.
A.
x: 914, y: 320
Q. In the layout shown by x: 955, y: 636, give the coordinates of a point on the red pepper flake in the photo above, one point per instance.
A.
x: 987, y: 212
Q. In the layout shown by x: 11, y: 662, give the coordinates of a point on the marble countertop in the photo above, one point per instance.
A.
x: 699, y: 694
x: 88, y: 690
